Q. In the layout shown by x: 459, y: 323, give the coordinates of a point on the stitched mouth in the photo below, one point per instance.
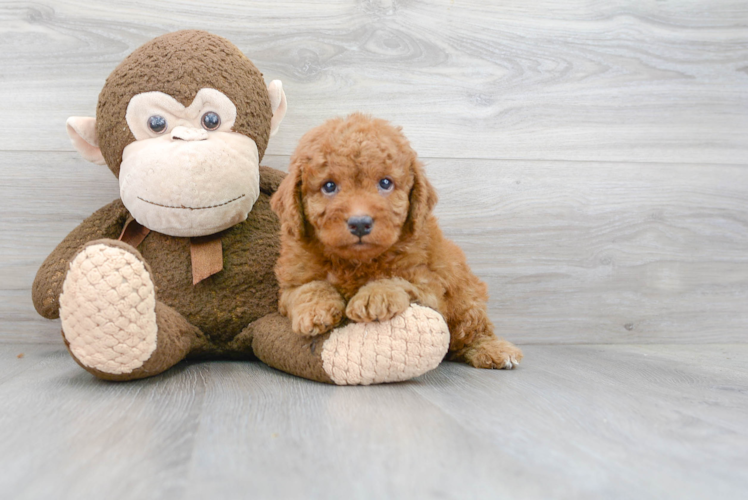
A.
x: 182, y: 207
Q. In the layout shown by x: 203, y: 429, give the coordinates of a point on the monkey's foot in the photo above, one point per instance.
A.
x: 108, y: 309
x: 408, y: 345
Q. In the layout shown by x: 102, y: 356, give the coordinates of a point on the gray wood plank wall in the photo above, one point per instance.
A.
x: 592, y: 157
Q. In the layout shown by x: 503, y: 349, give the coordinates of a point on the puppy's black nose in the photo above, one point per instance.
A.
x: 360, y: 225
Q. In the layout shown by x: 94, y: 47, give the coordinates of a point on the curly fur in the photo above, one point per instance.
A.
x: 326, y: 273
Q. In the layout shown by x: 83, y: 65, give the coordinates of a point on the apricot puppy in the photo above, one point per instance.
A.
x: 359, y: 241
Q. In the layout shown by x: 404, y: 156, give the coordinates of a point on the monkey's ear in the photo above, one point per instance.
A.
x: 278, y: 104
x: 82, y: 131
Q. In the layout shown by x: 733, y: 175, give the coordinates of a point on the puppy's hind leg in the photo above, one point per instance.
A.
x: 473, y: 342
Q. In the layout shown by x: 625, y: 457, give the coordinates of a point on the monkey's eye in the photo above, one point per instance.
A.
x: 157, y: 123
x: 211, y: 121
x: 329, y: 187
x: 386, y: 184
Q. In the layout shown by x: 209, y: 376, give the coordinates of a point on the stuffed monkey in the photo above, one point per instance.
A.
x: 182, y: 265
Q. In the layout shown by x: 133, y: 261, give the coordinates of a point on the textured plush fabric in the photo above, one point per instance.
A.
x: 181, y: 74
x: 201, y: 320
x: 389, y: 351
x: 409, y: 345
x: 221, y: 305
x: 108, y: 308
x: 176, y: 338
x: 180, y: 196
x: 107, y: 222
x: 169, y: 181
x: 275, y: 344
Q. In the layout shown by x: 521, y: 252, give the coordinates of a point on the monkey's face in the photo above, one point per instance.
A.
x: 182, y: 122
x: 187, y: 173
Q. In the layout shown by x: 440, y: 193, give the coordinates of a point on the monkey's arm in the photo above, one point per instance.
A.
x: 106, y: 222
x: 270, y: 179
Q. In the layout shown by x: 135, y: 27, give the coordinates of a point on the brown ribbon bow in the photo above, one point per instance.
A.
x: 206, y: 251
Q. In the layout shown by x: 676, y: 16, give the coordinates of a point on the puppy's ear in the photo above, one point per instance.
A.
x: 422, y: 199
x: 287, y: 203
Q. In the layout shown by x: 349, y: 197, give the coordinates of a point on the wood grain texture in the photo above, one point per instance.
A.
x: 618, y: 422
x: 576, y: 80
x: 591, y: 161
x: 572, y: 252
x: 603, y: 252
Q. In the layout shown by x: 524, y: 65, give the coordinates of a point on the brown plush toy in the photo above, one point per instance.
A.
x: 182, y: 265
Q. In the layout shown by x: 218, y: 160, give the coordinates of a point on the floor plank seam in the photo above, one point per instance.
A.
x: 470, y: 158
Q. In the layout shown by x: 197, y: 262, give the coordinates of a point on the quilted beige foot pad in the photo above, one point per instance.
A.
x: 407, y: 346
x: 108, y: 309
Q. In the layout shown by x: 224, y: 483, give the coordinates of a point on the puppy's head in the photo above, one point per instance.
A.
x: 356, y: 186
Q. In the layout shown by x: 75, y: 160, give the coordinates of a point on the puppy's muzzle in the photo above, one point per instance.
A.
x: 360, y: 225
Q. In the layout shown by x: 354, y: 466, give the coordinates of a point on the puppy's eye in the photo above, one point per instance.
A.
x: 157, y: 123
x: 211, y: 121
x: 329, y: 187
x: 386, y: 184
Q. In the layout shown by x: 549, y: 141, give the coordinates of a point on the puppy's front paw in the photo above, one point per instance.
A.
x: 493, y: 353
x: 317, y: 316
x: 377, y: 302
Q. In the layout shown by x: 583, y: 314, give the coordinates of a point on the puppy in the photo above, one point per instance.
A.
x: 359, y: 241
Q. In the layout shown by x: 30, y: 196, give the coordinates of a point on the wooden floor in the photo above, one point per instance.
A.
x: 591, y: 159
x: 616, y: 421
